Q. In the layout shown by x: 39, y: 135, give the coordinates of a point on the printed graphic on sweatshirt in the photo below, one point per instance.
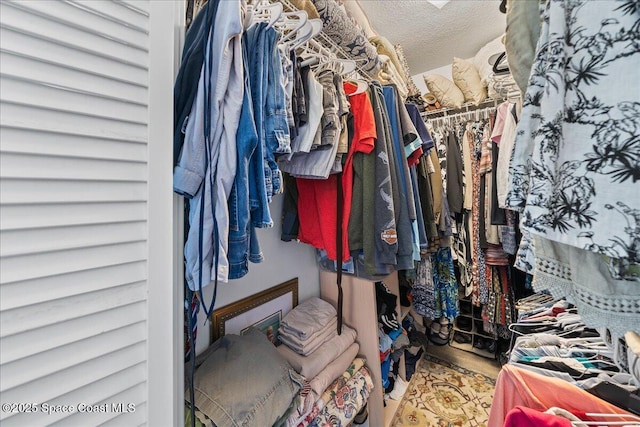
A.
x: 389, y: 236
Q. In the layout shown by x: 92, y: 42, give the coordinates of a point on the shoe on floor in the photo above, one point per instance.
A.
x: 439, y: 333
x: 398, y: 390
x: 479, y: 343
x: 461, y: 338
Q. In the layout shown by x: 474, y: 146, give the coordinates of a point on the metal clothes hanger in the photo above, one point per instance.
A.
x: 348, y: 65
x: 314, y: 27
x: 633, y: 420
x: 263, y: 11
x: 361, y: 85
x: 294, y: 22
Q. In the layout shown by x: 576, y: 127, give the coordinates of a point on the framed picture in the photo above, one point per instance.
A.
x: 263, y: 310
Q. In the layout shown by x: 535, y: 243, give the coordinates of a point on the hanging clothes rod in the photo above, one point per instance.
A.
x: 468, y: 107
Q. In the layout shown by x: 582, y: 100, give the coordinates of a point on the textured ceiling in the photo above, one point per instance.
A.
x: 431, y: 37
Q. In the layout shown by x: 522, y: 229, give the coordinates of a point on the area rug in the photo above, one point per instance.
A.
x: 441, y: 394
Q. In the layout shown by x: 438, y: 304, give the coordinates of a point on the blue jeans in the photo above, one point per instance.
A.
x: 260, y: 185
x: 277, y: 123
x: 268, y: 101
x: 243, y: 242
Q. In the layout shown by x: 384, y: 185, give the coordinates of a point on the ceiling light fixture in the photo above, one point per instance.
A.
x: 438, y: 3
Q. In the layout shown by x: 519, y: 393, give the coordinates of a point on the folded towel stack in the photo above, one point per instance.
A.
x: 314, y: 349
x: 309, y: 325
x: 308, y: 318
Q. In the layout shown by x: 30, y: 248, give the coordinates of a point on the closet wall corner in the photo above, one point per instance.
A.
x: 360, y: 313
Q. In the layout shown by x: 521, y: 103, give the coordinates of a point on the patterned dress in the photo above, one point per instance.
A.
x: 575, y: 171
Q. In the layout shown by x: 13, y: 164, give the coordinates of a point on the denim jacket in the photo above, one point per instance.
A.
x: 243, y: 242
x: 207, y: 164
x: 185, y: 88
x: 265, y: 69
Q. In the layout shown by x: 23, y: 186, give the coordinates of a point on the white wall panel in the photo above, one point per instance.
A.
x: 105, y: 419
x: 60, y: 358
x: 75, y: 15
x: 33, y: 191
x: 76, y: 122
x: 22, y: 242
x: 165, y: 403
x: 26, y: 140
x: 135, y: 18
x: 31, y: 342
x: 75, y: 35
x: 76, y: 183
x: 54, y: 387
x: 61, y: 74
x: 59, y: 310
x: 18, y: 165
x: 46, y: 95
x: 42, y: 49
x: 39, y: 216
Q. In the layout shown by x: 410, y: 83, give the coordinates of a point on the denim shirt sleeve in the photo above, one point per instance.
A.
x: 190, y: 170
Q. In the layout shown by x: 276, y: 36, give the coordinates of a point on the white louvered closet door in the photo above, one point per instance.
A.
x: 77, y: 184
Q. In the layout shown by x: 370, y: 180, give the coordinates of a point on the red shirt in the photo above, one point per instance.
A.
x: 521, y: 416
x: 317, y: 199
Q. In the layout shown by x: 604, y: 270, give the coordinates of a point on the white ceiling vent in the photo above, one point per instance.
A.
x: 438, y: 3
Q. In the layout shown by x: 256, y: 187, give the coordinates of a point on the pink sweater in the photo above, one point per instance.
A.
x: 516, y: 386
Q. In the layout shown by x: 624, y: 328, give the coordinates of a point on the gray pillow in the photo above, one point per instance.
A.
x: 244, y: 382
x: 523, y: 31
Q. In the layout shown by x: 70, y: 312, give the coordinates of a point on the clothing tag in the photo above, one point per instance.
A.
x: 347, y: 266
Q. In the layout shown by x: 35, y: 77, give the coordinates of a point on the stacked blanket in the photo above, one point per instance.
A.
x: 308, y: 326
x: 328, y: 363
x: 342, y: 400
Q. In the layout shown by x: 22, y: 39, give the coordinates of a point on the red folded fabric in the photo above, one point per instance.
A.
x: 521, y: 416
